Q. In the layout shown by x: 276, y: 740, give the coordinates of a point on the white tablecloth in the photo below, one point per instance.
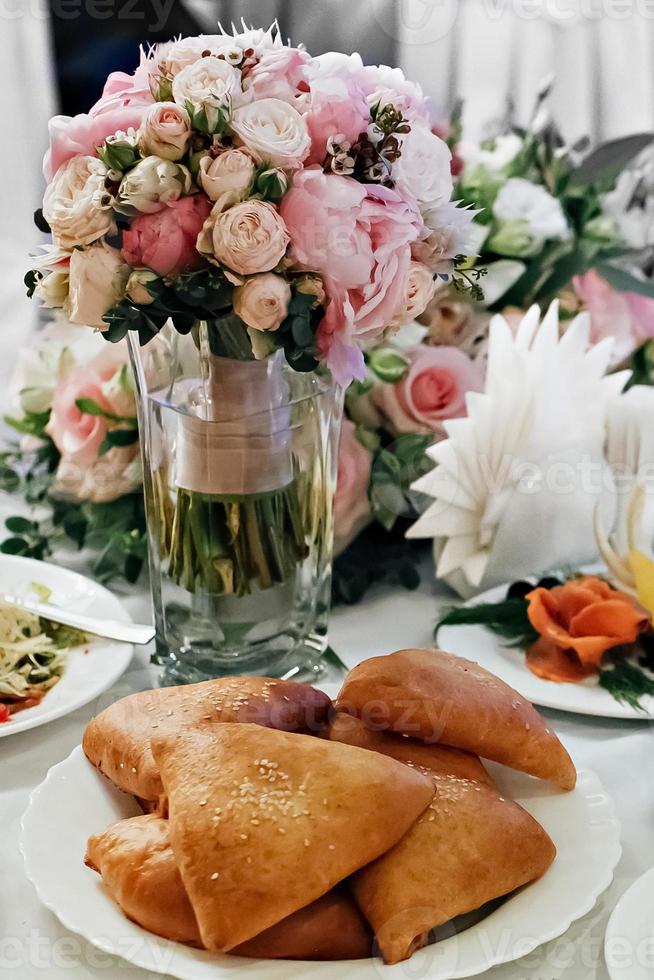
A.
x: 33, y: 945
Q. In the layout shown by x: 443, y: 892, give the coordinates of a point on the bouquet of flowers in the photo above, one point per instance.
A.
x: 243, y: 210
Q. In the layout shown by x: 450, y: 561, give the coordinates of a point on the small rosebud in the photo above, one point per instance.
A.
x: 272, y: 184
x: 137, y: 287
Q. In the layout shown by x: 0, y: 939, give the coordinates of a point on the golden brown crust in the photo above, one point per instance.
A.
x: 470, y: 846
x: 137, y: 866
x: 262, y: 823
x: 437, y: 697
x: 117, y: 741
x: 332, y: 928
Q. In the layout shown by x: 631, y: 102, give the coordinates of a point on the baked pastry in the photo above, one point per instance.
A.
x: 137, y: 866
x: 139, y: 870
x: 117, y: 741
x: 263, y: 822
x: 437, y: 697
x: 470, y: 846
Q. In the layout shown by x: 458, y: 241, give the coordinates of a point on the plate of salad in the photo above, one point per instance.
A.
x: 48, y: 670
x: 573, y: 642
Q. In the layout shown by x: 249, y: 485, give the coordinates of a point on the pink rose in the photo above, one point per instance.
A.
x: 72, y: 136
x: 166, y: 131
x: 627, y: 317
x: 351, y: 505
x: 389, y: 86
x: 432, y: 391
x: 166, y: 240
x: 419, y: 289
x: 280, y: 74
x: 262, y: 301
x: 77, y: 435
x: 248, y: 238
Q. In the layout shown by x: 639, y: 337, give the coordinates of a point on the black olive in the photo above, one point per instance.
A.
x: 549, y: 582
x: 518, y: 590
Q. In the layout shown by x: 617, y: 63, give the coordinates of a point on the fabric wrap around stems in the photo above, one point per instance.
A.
x: 236, y: 438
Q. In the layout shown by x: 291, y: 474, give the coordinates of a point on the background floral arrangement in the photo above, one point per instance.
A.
x: 556, y: 220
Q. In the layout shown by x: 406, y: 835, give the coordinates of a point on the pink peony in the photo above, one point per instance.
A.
x: 280, y: 74
x: 335, y: 104
x: 72, y: 136
x: 77, y: 435
x: 432, y: 391
x: 359, y: 238
x: 627, y: 317
x: 351, y: 504
x: 389, y: 86
x: 122, y: 90
x: 166, y: 240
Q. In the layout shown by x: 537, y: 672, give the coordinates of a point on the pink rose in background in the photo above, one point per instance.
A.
x: 76, y: 435
x: 72, y: 136
x: 432, y: 391
x: 280, y: 74
x: 627, y: 317
x: 166, y: 240
x: 351, y: 505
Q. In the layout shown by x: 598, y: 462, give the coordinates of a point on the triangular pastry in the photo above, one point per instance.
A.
x: 138, y: 868
x: 117, y: 741
x: 437, y: 697
x: 470, y: 846
x: 262, y: 823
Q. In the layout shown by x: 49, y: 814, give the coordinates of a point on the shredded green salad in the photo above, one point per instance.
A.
x: 33, y: 654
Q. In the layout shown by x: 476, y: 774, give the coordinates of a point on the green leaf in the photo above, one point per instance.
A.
x: 606, y: 162
x: 14, y: 546
x: 627, y: 683
x: 88, y: 406
x: 118, y: 438
x: 21, y: 525
x: 332, y: 658
x: 32, y: 423
x: 623, y: 281
x: 508, y: 619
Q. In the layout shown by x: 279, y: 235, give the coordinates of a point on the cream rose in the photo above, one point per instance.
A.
x: 76, y: 203
x: 274, y: 130
x: 165, y: 131
x: 228, y: 177
x: 210, y: 85
x: 52, y: 290
x: 422, y: 171
x: 248, y: 238
x: 419, y: 291
x: 152, y: 184
x: 97, y: 281
x: 262, y: 301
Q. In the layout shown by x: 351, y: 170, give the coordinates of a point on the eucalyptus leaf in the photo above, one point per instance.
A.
x: 607, y: 160
x: 624, y: 281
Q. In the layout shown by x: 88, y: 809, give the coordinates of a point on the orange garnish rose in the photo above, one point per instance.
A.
x: 578, y: 623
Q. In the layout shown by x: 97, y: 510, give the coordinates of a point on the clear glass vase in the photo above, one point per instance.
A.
x: 240, y: 465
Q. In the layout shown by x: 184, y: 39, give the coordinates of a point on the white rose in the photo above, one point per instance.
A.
x: 97, y: 282
x: 170, y: 58
x: 423, y: 169
x: 76, y: 203
x: 227, y: 177
x: 210, y: 85
x: 166, y: 131
x: 503, y: 150
x: 52, y: 290
x: 152, y: 183
x: 274, y: 130
x: 521, y: 200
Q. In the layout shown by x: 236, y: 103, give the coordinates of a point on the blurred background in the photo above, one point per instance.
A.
x: 491, y: 54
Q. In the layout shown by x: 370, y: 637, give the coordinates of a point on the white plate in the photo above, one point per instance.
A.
x: 508, y: 663
x: 74, y: 801
x: 90, y: 669
x: 629, y: 941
